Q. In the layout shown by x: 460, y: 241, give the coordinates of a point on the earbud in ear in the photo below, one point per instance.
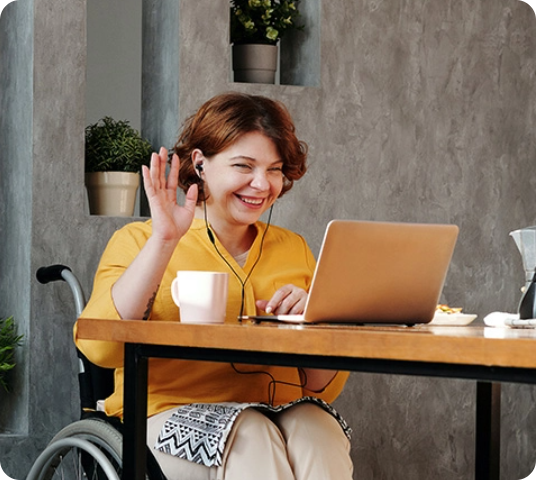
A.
x: 199, y: 169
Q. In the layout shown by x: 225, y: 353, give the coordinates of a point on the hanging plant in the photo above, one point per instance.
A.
x: 9, y: 340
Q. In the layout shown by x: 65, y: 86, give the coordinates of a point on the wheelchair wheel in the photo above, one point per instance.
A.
x: 87, y: 449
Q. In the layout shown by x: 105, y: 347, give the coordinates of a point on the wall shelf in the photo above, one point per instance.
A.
x: 299, y: 51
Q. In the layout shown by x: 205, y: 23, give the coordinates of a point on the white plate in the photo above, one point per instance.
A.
x: 452, y: 319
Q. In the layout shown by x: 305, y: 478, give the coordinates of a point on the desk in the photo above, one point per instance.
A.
x: 452, y: 352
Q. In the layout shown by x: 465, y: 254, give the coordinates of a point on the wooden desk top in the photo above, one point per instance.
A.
x: 455, y: 345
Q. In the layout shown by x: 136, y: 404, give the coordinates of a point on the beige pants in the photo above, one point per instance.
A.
x: 301, y: 443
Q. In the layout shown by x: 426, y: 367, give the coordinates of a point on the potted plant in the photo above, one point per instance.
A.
x: 256, y: 27
x: 114, y: 154
x: 9, y: 340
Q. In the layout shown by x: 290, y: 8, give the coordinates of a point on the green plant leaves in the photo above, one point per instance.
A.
x: 263, y: 21
x: 9, y: 340
x: 115, y: 146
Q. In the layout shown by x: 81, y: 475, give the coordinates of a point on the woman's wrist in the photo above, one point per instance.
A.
x: 135, y: 291
x: 162, y: 245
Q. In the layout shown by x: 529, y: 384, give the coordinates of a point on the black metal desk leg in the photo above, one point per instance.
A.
x: 135, y: 414
x: 488, y: 431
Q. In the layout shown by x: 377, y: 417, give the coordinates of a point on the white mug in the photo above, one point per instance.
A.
x: 200, y: 296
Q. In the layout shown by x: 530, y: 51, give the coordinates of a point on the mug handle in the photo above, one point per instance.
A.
x: 175, y: 291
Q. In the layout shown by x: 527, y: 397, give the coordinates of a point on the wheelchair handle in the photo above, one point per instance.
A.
x: 54, y: 273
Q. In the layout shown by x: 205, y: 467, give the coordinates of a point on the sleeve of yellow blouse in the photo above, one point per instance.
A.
x: 105, y: 354
x: 333, y: 390
x: 121, y: 250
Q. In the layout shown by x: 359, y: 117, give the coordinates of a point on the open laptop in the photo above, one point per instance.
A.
x: 378, y: 272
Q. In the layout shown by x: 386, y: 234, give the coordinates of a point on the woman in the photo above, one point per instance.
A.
x: 238, y: 154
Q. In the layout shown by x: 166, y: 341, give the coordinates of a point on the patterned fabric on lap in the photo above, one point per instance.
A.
x: 198, y: 432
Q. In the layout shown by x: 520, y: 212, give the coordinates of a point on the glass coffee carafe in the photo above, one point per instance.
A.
x: 525, y: 239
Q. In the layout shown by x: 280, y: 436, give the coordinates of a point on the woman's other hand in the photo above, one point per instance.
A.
x: 170, y: 220
x: 289, y: 299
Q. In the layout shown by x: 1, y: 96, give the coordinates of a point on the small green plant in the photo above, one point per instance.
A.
x: 263, y: 21
x: 114, y: 146
x: 9, y: 340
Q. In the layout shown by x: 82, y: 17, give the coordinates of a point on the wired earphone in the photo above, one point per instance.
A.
x: 273, y: 382
x: 199, y: 170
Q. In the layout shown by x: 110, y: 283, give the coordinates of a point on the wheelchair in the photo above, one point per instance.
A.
x: 92, y: 447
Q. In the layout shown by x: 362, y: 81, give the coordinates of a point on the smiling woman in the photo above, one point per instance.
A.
x: 222, y: 120
x: 235, y: 157
x: 240, y: 184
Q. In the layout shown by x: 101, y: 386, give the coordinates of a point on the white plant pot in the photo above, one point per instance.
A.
x: 112, y: 193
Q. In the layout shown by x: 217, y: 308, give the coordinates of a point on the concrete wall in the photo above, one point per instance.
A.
x: 114, y: 60
x: 16, y: 86
x: 413, y: 111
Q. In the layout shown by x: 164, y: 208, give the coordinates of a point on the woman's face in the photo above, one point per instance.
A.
x: 244, y: 180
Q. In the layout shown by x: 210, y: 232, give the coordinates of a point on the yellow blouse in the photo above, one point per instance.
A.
x: 285, y: 259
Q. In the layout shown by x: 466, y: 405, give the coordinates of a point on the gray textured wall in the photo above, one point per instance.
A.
x: 114, y: 60
x: 15, y: 183
x: 415, y: 111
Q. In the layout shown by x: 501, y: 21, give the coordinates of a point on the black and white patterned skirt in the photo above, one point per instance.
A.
x: 198, y: 432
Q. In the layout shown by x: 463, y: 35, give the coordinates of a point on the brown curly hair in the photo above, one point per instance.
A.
x: 223, y: 119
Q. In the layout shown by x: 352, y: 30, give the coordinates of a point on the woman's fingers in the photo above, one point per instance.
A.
x: 146, y: 175
x: 173, y: 177
x: 155, y: 176
x: 190, y: 201
x: 286, y: 300
x: 162, y: 157
x: 169, y: 218
x: 154, y: 172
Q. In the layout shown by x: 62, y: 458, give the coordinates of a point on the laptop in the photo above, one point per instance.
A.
x: 377, y: 272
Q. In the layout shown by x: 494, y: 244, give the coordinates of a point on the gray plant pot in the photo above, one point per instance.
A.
x: 254, y: 63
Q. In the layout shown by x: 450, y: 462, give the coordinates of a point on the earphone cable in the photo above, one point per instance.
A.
x: 273, y: 382
x: 213, y: 241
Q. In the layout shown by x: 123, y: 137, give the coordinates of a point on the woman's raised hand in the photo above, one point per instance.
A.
x: 170, y: 220
x: 135, y: 290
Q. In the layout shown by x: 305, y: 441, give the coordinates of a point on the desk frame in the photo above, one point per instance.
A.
x: 487, y: 438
